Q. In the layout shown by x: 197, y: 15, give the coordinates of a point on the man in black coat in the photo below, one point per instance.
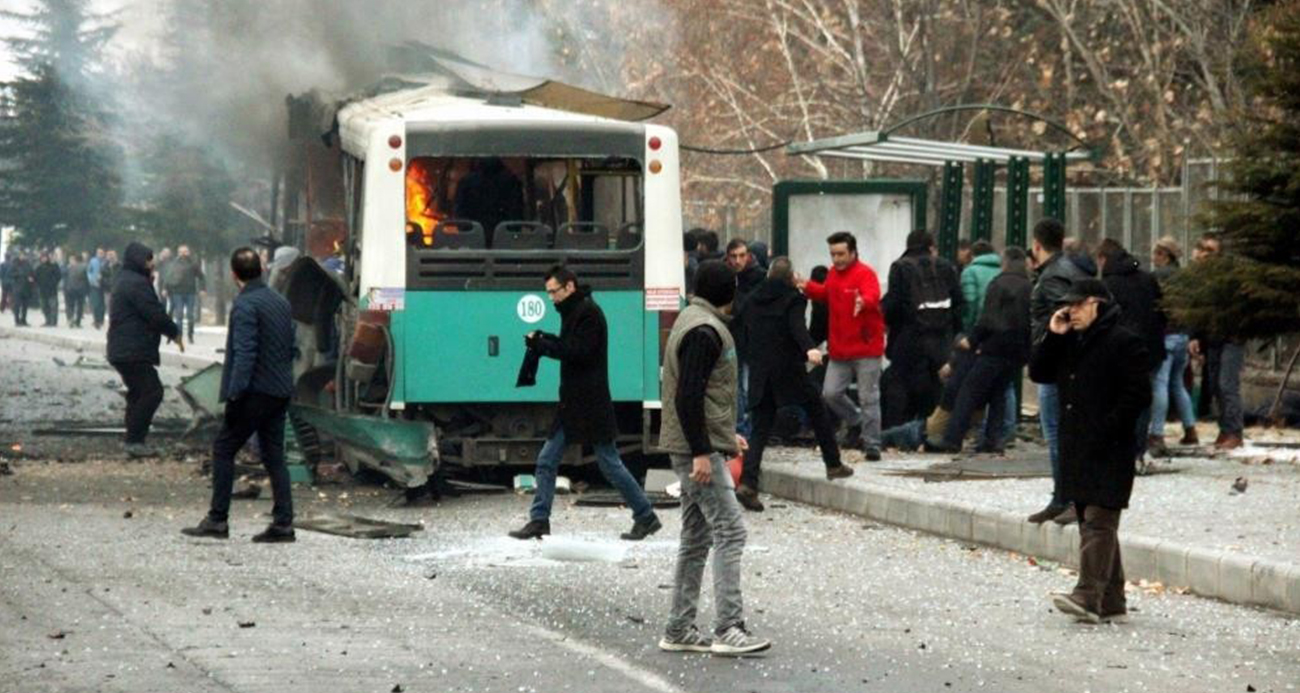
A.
x: 748, y: 277
x: 136, y: 323
x: 586, y: 414
x: 771, y: 325
x: 999, y: 343
x: 1138, y: 295
x: 48, y: 277
x: 256, y: 385
x: 923, y: 313
x: 1100, y: 369
x: 23, y: 286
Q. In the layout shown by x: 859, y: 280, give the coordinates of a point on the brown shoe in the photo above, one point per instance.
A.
x: 748, y: 498
x: 842, y: 471
x: 1229, y: 442
x: 1190, y: 437
x: 1068, y: 517
x: 1048, y: 513
x: 1156, y: 446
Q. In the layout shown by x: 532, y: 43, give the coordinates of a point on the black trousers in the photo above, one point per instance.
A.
x: 21, y: 301
x: 75, y: 305
x: 765, y: 418
x: 982, y: 385
x: 50, y: 307
x: 910, y: 388
x: 1101, y: 568
x: 265, y: 416
x: 144, y: 393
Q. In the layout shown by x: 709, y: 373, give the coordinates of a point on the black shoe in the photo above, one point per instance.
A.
x: 138, y: 451
x: 839, y: 471
x: 748, y: 498
x: 535, y: 529
x: 852, y: 439
x: 872, y: 454
x: 208, y: 528
x: 642, y: 529
x: 275, y: 534
x: 1048, y: 513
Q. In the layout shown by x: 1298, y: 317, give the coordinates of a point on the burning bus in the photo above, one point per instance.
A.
x: 443, y: 200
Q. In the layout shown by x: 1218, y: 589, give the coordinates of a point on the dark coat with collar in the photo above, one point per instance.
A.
x: 259, y: 345
x: 137, y: 320
x: 771, y: 326
x: 1002, y: 329
x: 1138, y: 295
x: 1054, y: 279
x: 582, y: 348
x: 1104, y: 385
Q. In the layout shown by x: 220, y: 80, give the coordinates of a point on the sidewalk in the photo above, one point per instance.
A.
x: 1184, y: 530
x: 209, y: 347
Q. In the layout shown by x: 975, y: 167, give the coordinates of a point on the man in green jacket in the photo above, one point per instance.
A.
x: 975, y: 280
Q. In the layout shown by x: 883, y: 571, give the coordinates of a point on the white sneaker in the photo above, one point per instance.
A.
x: 737, y: 641
x: 692, y: 641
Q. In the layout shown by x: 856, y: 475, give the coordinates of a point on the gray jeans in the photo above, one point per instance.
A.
x: 711, y: 517
x: 835, y: 390
x: 1232, y: 358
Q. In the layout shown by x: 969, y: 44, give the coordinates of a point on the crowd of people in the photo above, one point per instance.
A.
x: 85, y: 280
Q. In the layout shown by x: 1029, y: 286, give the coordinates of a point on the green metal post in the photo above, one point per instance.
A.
x: 982, y: 200
x: 1054, y: 185
x: 1017, y: 200
x: 950, y: 212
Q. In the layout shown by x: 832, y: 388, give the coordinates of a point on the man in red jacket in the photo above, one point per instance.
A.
x: 857, y: 341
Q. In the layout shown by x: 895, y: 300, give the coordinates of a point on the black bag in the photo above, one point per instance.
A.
x: 930, y: 294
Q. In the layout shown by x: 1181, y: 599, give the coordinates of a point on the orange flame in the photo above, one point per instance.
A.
x: 420, y: 206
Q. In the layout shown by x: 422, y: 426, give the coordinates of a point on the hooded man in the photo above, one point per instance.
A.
x: 923, y: 310
x: 772, y: 321
x: 586, y: 413
x: 1100, y: 369
x: 136, y: 323
x: 699, y: 434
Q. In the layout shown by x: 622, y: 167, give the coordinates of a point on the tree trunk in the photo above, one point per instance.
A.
x: 1274, y: 418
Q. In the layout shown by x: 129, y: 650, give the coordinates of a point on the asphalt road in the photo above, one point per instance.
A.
x: 99, y: 592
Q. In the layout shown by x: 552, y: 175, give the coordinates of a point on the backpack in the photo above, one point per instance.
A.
x: 930, y: 294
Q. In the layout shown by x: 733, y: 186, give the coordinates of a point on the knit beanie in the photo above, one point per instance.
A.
x: 715, y: 283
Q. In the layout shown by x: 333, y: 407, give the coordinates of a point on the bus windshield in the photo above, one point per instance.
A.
x: 523, y: 203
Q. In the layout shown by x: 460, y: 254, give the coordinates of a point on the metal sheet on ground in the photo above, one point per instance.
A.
x: 357, y: 527
x: 608, y: 499
x: 981, y: 467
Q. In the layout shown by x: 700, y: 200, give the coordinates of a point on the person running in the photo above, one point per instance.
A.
x: 772, y: 323
x: 699, y: 434
x: 586, y: 414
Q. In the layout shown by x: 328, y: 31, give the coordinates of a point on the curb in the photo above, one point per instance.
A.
x: 1231, y: 577
x: 168, y: 358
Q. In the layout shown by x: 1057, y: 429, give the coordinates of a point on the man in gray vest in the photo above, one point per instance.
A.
x: 699, y: 435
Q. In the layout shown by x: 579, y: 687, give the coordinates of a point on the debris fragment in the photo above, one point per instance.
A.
x: 57, y: 635
x: 247, y: 624
x: 1238, y: 486
x: 207, y: 611
x: 128, y: 515
x: 5, y: 469
x: 398, y: 688
x: 357, y: 527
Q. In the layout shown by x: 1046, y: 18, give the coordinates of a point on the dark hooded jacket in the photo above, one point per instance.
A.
x: 136, y: 319
x: 772, y: 325
x: 1002, y: 329
x: 1138, y: 295
x: 907, y: 337
x: 1054, y: 279
x: 1104, y: 385
x: 48, y: 277
x: 582, y: 348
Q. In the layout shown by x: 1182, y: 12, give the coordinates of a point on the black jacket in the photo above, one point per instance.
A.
x: 1002, y: 328
x: 136, y: 319
x: 1104, y: 385
x: 259, y: 344
x: 1138, y: 294
x: 48, y: 276
x: 1054, y: 279
x: 582, y: 348
x: 772, y: 326
x: 21, y: 280
x: 906, y: 336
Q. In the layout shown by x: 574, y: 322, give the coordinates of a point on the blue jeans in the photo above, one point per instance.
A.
x: 1049, y: 416
x: 548, y: 465
x: 744, y: 424
x: 1169, y: 380
x: 184, y: 307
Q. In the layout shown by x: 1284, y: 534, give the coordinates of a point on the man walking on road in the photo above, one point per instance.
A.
x: 48, y: 277
x: 1056, y: 272
x: 95, y: 280
x: 772, y: 322
x: 256, y: 384
x: 856, y: 339
x: 1100, y: 369
x: 135, y: 326
x: 699, y: 435
x: 586, y: 414
x: 75, y: 289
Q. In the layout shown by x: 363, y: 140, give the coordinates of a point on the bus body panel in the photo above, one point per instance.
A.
x: 449, y: 338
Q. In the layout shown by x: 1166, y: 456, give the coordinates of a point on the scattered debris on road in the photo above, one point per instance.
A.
x: 1238, y: 486
x: 357, y: 527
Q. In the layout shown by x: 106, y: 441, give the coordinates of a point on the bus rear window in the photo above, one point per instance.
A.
x: 523, y: 203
